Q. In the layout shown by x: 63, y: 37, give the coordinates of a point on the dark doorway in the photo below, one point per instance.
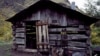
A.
x: 31, y: 35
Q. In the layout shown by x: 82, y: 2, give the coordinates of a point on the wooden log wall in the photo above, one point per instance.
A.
x: 19, y: 35
x: 76, y: 39
x: 78, y: 42
x: 76, y: 33
x: 74, y: 28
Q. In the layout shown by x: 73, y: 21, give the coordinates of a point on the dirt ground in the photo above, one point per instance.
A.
x: 5, y: 50
x: 18, y: 53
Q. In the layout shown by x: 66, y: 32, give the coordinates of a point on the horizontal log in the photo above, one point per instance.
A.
x: 19, y: 34
x: 72, y: 29
x: 41, y: 23
x: 42, y: 43
x: 75, y: 48
x: 54, y: 36
x: 77, y: 36
x: 20, y: 30
x: 19, y: 41
x: 68, y: 32
x: 21, y: 47
x: 55, y: 29
x: 77, y: 44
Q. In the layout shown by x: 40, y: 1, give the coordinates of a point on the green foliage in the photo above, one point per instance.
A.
x: 5, y: 30
x: 95, y: 35
x: 93, y: 11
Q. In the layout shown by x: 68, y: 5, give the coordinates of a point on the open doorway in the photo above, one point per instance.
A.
x: 31, y: 35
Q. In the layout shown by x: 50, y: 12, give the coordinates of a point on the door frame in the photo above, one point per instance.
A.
x: 27, y: 49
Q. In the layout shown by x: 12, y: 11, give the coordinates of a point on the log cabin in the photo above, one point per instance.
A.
x: 47, y: 26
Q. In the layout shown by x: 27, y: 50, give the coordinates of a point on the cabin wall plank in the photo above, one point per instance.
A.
x: 19, y: 36
x: 20, y: 41
x: 50, y: 16
x: 77, y: 36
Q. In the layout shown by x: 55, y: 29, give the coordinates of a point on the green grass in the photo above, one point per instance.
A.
x: 5, y: 49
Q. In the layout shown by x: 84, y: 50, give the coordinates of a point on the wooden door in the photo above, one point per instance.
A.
x: 31, y: 35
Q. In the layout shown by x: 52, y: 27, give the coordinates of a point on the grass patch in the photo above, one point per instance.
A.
x: 5, y: 49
